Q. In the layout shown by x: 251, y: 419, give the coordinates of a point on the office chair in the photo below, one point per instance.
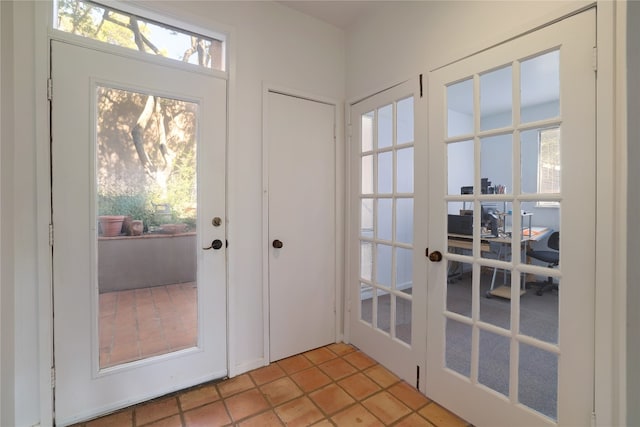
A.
x: 552, y: 258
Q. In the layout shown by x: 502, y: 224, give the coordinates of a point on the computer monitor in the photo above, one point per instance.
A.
x: 460, y: 224
x: 490, y: 219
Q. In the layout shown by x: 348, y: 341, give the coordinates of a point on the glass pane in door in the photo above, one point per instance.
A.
x: 495, y: 93
x: 146, y: 209
x: 460, y: 167
x: 458, y: 347
x: 538, y: 388
x: 540, y: 87
x: 386, y: 218
x: 460, y: 108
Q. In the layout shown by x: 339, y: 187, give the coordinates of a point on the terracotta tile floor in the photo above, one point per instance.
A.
x: 145, y: 322
x: 336, y: 385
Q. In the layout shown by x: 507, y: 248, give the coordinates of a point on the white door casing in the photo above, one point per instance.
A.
x: 573, y: 352
x: 301, y: 154
x: 82, y: 389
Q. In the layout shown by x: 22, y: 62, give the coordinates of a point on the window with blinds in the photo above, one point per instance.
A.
x: 549, y: 162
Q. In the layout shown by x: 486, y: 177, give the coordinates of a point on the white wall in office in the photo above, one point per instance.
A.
x: 460, y: 166
x: 459, y: 123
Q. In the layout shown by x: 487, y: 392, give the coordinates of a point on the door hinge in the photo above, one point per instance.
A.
x: 594, y: 59
x: 593, y: 419
x: 49, y: 89
x: 51, y: 235
x: 418, y: 377
x: 420, y: 85
x: 53, y: 377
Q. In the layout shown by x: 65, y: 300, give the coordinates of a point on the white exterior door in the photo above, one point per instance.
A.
x: 387, y: 280
x: 141, y: 310
x: 511, y: 161
x: 301, y: 153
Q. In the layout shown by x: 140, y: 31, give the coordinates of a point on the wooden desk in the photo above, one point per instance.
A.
x: 465, y: 243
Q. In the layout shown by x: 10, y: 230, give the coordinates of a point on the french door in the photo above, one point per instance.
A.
x: 138, y: 197
x: 387, y: 287
x: 512, y: 154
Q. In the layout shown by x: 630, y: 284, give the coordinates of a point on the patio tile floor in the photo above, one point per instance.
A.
x: 146, y: 322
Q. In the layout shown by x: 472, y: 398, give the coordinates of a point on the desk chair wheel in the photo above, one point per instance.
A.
x: 547, y: 285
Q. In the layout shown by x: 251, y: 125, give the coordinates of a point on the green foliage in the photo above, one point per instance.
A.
x: 135, y: 205
x: 181, y: 186
x: 93, y: 21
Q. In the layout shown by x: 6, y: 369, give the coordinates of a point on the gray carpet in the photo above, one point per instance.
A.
x: 537, y: 369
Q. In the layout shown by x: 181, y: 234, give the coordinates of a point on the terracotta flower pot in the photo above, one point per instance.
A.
x: 111, y: 225
x: 137, y: 227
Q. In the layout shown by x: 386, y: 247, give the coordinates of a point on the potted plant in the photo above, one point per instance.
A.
x: 116, y: 212
x: 111, y: 225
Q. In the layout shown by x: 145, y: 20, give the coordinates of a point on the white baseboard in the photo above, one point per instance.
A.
x: 234, y: 371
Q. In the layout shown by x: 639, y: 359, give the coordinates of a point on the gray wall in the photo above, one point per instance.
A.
x: 145, y: 261
x: 7, y: 294
x: 633, y: 239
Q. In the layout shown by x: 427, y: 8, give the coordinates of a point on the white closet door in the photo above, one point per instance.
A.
x: 302, y: 240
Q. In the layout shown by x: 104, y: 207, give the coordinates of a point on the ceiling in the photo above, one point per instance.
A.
x: 338, y: 13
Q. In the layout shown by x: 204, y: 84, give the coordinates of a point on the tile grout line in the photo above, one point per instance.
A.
x: 334, y: 381
x: 271, y: 408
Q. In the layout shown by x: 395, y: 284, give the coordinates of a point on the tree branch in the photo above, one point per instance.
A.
x: 137, y: 133
x: 191, y: 50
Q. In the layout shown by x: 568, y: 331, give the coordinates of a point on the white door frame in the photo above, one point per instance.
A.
x: 339, y: 209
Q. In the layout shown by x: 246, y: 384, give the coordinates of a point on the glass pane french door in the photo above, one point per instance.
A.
x: 512, y: 169
x: 384, y: 300
x: 133, y: 260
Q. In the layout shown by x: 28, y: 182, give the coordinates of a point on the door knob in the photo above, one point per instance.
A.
x: 277, y: 244
x: 216, y: 244
x: 435, y: 256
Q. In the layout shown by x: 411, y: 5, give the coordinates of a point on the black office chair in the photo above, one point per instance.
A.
x: 552, y: 258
